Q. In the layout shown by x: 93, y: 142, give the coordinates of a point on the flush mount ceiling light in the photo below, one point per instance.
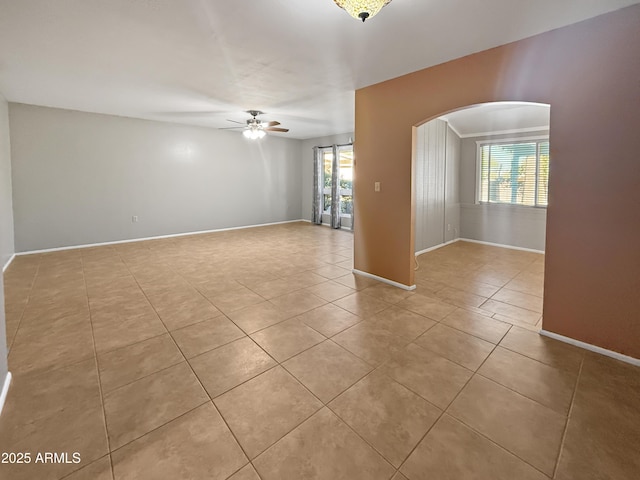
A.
x: 362, y: 9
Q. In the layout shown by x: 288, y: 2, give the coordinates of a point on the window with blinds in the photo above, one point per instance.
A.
x: 515, y: 173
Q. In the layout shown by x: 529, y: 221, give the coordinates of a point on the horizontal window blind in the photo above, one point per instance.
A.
x: 514, y: 173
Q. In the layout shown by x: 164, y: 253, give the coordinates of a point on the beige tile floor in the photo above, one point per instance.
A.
x: 256, y: 354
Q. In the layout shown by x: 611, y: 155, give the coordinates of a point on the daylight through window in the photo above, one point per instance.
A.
x: 345, y: 177
x: 514, y: 173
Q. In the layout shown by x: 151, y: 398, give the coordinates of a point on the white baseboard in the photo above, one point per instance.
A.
x: 502, y: 245
x: 592, y: 348
x: 172, y: 235
x: 431, y: 249
x: 6, y: 265
x: 384, y: 280
x: 5, y: 390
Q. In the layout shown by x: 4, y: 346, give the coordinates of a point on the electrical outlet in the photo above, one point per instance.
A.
x: 134, y: 219
x: 448, y: 227
x: 376, y: 186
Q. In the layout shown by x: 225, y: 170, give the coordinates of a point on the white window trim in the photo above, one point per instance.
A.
x: 479, y: 144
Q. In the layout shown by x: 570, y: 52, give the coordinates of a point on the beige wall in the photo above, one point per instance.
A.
x: 588, y: 73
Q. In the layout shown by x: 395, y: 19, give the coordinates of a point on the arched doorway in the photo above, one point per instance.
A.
x: 480, y: 176
x: 475, y: 168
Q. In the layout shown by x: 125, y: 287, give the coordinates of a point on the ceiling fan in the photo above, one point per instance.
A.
x: 256, y: 128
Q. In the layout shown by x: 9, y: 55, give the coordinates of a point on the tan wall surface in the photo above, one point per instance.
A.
x: 590, y: 74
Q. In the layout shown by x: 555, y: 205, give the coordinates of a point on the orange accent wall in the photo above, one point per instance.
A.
x: 590, y: 74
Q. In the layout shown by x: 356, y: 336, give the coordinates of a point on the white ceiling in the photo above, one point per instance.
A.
x: 201, y: 62
x: 499, y: 117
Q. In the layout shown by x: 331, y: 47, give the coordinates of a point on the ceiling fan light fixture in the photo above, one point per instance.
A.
x: 254, y: 133
x: 256, y: 129
x: 362, y: 9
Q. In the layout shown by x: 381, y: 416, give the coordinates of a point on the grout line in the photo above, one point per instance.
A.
x: 456, y: 361
x: 444, y: 410
x: 167, y: 331
x: 108, y: 352
x: 482, y: 434
x: 255, y: 470
x: 337, y: 333
x: 530, y: 357
x: 171, y: 266
x: 97, y: 367
x: 565, y: 415
x: 110, y: 392
x: 509, y: 304
x: 566, y: 425
x: 353, y: 429
x: 213, y: 399
x: 43, y: 371
x: 247, y: 333
x: 67, y: 475
x: 353, y: 353
x: 324, y: 339
x: 507, y: 451
x: 303, y: 421
x: 324, y: 405
x: 192, y: 371
x: 289, y: 431
x: 205, y: 390
x: 338, y: 394
x: 473, y: 334
x: 157, y: 428
x: 242, y: 467
x: 375, y: 369
x: 33, y: 282
x: 195, y: 287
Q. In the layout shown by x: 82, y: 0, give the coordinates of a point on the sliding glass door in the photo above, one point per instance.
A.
x: 343, y: 187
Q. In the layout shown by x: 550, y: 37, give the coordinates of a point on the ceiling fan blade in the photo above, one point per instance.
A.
x: 231, y: 128
x: 276, y: 129
x: 235, y: 121
x: 273, y: 123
